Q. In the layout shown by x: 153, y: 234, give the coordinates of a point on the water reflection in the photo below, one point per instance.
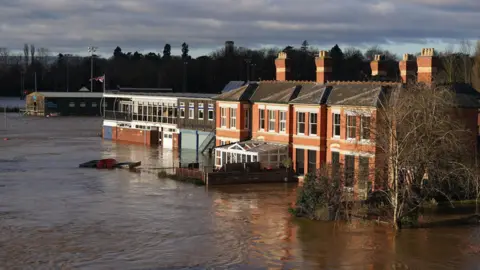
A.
x: 53, y: 215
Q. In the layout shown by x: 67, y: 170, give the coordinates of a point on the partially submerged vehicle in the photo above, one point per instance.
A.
x: 109, y: 163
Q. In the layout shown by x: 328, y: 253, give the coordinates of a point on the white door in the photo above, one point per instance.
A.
x: 168, y: 140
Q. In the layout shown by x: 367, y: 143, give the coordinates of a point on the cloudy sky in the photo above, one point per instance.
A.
x: 70, y: 26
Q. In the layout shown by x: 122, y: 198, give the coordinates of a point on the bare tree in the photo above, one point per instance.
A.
x: 16, y: 59
x: 32, y: 53
x: 476, y: 67
x: 26, y: 51
x: 466, y: 53
x: 449, y: 64
x: 422, y: 139
x: 4, y: 55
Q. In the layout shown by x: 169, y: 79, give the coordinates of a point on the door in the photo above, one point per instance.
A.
x: 300, y: 161
x: 167, y: 140
x: 107, y: 132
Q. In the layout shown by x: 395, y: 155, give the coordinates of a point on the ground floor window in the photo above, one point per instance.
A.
x: 364, y: 172
x: 300, y: 161
x: 349, y: 170
x: 312, y: 161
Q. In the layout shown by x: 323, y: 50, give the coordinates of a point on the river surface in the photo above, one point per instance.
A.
x: 54, y: 215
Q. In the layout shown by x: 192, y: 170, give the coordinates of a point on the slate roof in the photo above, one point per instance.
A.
x: 163, y: 94
x: 279, y: 92
x: 243, y: 93
x: 365, y: 94
x: 313, y: 95
x: 69, y: 94
x: 465, y: 95
x: 232, y: 85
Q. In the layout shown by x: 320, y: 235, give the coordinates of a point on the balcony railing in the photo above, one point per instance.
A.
x: 125, y: 116
x: 120, y: 116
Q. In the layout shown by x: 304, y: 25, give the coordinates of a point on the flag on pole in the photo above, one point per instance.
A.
x: 99, y: 79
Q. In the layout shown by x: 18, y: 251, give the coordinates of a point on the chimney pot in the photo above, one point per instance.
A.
x: 324, y: 67
x: 427, y: 66
x: 407, y: 68
x: 282, y: 64
x: 378, y: 66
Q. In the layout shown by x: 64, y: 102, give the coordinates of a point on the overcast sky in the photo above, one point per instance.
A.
x: 70, y: 26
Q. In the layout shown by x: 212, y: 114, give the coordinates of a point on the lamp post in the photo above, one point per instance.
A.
x: 67, y: 56
x: 91, y: 50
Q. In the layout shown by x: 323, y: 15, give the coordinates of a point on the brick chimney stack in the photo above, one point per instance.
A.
x: 407, y: 68
x: 282, y: 64
x: 378, y: 66
x: 427, y: 66
x: 324, y: 67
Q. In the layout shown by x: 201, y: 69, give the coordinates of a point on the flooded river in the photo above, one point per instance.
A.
x: 54, y: 215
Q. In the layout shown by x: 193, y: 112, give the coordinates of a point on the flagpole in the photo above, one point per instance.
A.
x: 104, y: 82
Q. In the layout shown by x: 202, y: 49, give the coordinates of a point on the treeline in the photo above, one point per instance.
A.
x: 208, y: 73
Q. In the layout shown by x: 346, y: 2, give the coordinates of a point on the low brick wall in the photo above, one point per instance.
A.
x: 189, y: 173
x: 232, y: 178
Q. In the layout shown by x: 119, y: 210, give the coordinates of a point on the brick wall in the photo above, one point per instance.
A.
x: 238, y: 133
x: 134, y: 136
x: 230, y: 178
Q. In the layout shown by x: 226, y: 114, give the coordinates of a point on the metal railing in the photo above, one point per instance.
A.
x: 115, y: 115
x: 207, y: 142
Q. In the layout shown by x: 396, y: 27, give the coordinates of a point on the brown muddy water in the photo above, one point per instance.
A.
x: 54, y: 215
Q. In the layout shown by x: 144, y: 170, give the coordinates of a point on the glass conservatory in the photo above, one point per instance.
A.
x: 268, y: 154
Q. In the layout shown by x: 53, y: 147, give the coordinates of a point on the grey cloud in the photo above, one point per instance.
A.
x: 71, y: 26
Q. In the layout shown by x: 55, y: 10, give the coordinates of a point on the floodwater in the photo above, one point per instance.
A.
x: 54, y: 215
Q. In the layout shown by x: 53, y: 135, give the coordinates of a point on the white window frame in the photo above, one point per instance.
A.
x: 271, y: 121
x: 350, y: 126
x: 182, y: 110
x: 298, y: 123
x: 282, y: 125
x: 191, y: 110
x: 246, y: 125
x: 362, y: 121
x: 335, y: 124
x: 201, y: 113
x: 313, y: 131
x: 223, y: 117
x: 210, y: 109
x: 233, y: 118
x: 261, y: 119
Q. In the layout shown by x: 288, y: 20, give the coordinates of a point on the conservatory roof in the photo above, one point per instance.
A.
x: 253, y: 146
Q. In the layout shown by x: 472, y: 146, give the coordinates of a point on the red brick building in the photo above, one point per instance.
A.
x: 325, y: 122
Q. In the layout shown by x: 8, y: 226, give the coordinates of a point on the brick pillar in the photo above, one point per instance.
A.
x: 407, y: 68
x: 378, y: 66
x: 324, y: 67
x: 282, y: 64
x: 427, y: 66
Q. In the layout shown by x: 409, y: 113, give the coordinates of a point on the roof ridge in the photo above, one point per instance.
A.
x: 363, y: 82
x: 289, y: 81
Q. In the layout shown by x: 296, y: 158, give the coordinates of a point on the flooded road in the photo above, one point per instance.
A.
x: 55, y: 215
